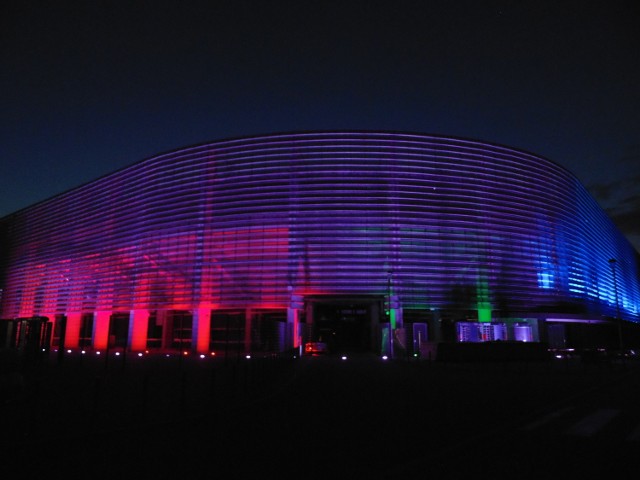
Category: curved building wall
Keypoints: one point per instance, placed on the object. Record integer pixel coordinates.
(253, 223)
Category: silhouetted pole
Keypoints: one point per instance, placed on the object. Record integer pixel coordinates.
(613, 262)
(389, 275)
(62, 338)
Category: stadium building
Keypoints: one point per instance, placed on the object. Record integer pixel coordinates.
(380, 242)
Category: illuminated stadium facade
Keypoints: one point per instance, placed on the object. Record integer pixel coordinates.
(260, 244)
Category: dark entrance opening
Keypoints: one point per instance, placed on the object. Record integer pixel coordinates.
(119, 330)
(345, 326)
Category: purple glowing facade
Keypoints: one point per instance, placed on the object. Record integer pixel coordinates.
(260, 243)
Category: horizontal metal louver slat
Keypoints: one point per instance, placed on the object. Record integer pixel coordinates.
(242, 222)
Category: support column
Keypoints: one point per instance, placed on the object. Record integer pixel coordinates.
(11, 325)
(51, 327)
(201, 330)
(435, 327)
(101, 322)
(247, 330)
(395, 312)
(374, 321)
(162, 317)
(72, 333)
(293, 321)
(308, 317)
(138, 329)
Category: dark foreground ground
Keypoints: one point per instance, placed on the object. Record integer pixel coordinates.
(312, 417)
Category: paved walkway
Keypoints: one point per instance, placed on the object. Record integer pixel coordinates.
(164, 417)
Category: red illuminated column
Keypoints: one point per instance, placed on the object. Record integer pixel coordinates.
(72, 332)
(201, 329)
(138, 328)
(101, 329)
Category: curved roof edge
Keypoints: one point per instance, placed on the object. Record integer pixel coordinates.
(293, 133)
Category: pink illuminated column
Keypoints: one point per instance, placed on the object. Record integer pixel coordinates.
(72, 331)
(101, 329)
(201, 329)
(138, 328)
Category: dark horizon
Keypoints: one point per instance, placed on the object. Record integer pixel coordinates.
(91, 88)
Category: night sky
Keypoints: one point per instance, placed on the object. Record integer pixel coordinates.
(91, 86)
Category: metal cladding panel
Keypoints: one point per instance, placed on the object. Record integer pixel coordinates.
(247, 223)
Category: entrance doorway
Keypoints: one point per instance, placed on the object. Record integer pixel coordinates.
(119, 330)
(346, 325)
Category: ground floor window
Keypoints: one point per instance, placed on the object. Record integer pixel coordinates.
(181, 325)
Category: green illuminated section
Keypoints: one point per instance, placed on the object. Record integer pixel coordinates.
(392, 318)
(483, 303)
(484, 313)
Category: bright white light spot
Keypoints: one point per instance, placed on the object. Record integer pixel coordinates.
(68, 351)
(98, 353)
(344, 357)
(83, 352)
(117, 354)
(140, 354)
(384, 357)
(248, 357)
